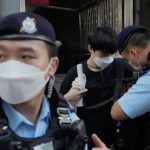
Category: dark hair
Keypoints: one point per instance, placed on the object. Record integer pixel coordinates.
(103, 39)
(139, 39)
(51, 50)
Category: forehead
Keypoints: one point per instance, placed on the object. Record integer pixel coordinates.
(23, 44)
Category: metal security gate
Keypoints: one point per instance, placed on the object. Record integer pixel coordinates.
(88, 19)
(110, 13)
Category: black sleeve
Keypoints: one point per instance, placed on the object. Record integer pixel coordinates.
(123, 69)
(128, 69)
(66, 84)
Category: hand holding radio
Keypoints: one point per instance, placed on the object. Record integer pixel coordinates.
(78, 88)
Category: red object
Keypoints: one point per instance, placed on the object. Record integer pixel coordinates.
(39, 2)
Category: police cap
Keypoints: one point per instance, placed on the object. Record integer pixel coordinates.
(125, 34)
(26, 25)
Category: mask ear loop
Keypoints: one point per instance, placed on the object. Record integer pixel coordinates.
(51, 81)
(129, 58)
(49, 65)
(138, 61)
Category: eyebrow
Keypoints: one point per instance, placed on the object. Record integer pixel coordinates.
(27, 49)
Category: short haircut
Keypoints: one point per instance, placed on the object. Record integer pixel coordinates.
(51, 50)
(139, 39)
(103, 39)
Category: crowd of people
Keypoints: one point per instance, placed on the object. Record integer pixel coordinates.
(110, 89)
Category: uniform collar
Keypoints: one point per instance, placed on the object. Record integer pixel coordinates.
(15, 118)
(146, 69)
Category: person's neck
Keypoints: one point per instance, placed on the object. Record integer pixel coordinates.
(91, 65)
(31, 109)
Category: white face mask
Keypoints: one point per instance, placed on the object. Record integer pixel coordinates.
(117, 55)
(137, 68)
(103, 62)
(20, 82)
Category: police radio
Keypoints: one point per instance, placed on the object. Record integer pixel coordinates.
(82, 79)
(75, 129)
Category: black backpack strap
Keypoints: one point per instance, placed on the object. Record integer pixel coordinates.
(105, 92)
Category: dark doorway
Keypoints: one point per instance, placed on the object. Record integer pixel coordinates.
(66, 24)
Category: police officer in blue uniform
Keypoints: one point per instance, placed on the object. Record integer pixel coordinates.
(29, 105)
(134, 45)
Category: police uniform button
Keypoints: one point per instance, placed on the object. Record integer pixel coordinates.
(4, 130)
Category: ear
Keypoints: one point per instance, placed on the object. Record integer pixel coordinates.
(133, 51)
(54, 66)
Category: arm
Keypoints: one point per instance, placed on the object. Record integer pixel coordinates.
(135, 102)
(117, 113)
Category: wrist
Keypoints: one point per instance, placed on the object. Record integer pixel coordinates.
(66, 96)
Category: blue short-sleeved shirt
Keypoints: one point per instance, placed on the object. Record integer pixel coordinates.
(136, 101)
(25, 128)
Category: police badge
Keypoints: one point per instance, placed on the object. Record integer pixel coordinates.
(28, 25)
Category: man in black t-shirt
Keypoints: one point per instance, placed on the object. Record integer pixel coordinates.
(101, 71)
